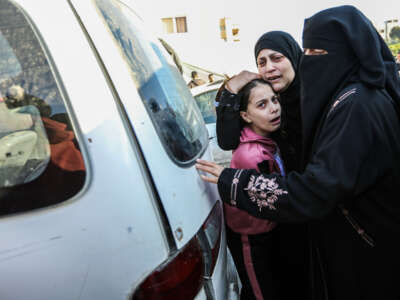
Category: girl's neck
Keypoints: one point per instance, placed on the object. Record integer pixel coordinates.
(259, 131)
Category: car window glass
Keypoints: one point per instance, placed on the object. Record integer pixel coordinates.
(40, 160)
(205, 101)
(10, 66)
(161, 87)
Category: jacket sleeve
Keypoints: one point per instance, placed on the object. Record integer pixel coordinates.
(248, 156)
(336, 172)
(228, 121)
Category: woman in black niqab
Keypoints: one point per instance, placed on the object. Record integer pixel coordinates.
(348, 190)
(355, 53)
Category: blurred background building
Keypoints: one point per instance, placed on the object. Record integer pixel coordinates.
(219, 35)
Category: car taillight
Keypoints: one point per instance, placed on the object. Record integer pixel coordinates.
(210, 234)
(180, 278)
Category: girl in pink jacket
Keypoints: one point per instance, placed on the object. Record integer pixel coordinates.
(251, 240)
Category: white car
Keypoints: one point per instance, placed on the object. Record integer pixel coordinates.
(99, 135)
(205, 99)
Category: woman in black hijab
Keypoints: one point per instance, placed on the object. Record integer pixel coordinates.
(349, 188)
(283, 62)
(277, 56)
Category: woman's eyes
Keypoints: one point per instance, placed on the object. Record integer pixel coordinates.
(262, 104)
(277, 58)
(308, 51)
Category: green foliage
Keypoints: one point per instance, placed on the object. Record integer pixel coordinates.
(395, 33)
(394, 48)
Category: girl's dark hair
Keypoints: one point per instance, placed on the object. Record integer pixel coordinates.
(245, 91)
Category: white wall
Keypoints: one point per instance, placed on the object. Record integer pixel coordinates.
(202, 44)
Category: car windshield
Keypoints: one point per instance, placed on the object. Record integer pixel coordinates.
(163, 91)
(205, 101)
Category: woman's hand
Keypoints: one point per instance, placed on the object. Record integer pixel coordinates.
(210, 168)
(235, 84)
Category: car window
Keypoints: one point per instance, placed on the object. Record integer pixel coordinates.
(40, 160)
(161, 87)
(205, 101)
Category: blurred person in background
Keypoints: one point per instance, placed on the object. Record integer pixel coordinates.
(196, 80)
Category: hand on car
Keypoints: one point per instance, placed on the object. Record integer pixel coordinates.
(210, 168)
(235, 84)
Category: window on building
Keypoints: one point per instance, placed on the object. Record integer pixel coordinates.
(228, 31)
(222, 28)
(168, 25)
(181, 24)
(174, 25)
(235, 33)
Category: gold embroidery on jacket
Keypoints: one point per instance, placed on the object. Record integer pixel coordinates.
(264, 191)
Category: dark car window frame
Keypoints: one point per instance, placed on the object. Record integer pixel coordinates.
(59, 181)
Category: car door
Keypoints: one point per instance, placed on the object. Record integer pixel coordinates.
(160, 108)
(85, 225)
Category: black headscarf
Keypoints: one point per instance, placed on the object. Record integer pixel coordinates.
(284, 43)
(356, 53)
(289, 135)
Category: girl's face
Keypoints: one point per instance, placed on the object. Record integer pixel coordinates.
(263, 113)
(275, 68)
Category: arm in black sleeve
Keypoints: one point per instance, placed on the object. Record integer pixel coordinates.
(228, 121)
(336, 172)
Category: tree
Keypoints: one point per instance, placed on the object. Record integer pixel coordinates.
(395, 33)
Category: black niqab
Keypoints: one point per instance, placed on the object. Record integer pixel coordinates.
(356, 53)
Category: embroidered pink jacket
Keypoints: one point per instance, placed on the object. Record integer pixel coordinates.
(252, 150)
